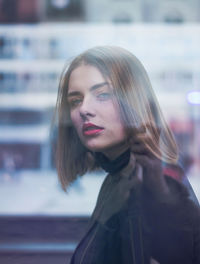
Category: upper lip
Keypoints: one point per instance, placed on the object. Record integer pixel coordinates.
(87, 125)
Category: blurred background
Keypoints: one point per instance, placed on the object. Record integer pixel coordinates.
(37, 38)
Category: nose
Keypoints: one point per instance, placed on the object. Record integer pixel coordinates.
(86, 110)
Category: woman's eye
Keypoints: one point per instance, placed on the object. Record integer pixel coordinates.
(104, 96)
(74, 102)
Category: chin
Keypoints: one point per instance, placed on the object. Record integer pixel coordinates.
(96, 147)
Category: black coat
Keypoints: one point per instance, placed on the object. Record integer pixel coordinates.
(165, 231)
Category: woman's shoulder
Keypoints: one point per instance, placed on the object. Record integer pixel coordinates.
(176, 187)
(179, 204)
(184, 205)
(178, 183)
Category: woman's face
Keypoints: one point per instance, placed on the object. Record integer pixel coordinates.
(94, 112)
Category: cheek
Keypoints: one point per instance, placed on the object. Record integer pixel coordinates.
(113, 116)
(116, 123)
(75, 120)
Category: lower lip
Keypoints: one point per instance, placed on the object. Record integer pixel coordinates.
(92, 132)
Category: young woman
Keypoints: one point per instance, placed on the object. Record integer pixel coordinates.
(108, 117)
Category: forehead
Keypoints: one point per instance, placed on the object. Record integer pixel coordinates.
(84, 76)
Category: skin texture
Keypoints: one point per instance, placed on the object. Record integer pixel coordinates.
(91, 101)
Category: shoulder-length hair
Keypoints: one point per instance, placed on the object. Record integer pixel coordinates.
(138, 107)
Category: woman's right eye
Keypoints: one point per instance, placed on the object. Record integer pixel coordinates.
(74, 102)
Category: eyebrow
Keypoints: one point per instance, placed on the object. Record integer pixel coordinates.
(94, 87)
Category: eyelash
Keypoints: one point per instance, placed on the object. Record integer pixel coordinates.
(101, 96)
(74, 102)
(104, 96)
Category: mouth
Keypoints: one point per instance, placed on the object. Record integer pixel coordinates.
(90, 129)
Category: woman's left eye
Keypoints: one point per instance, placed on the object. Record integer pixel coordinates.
(104, 96)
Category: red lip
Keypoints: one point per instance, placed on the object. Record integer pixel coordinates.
(90, 129)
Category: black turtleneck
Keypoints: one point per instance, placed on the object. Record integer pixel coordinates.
(112, 166)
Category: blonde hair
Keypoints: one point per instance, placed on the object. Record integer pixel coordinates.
(137, 103)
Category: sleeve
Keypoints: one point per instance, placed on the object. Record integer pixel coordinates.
(176, 226)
